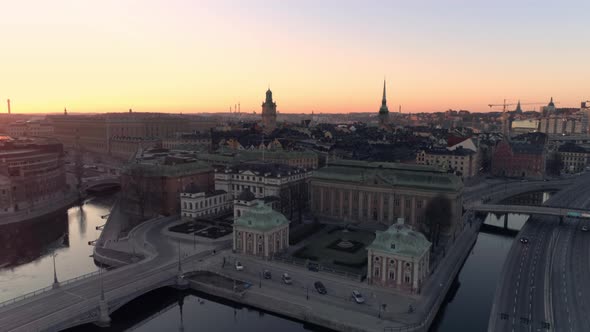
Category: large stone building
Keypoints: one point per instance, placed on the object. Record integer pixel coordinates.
(29, 129)
(305, 159)
(289, 185)
(31, 173)
(573, 157)
(350, 191)
(153, 186)
(269, 113)
(463, 162)
(515, 159)
(94, 133)
(399, 257)
(261, 231)
(204, 204)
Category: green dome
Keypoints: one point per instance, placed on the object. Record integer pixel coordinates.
(261, 217)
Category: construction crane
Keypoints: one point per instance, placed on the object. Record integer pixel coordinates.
(504, 105)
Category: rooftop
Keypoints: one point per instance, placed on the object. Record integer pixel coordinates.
(400, 240)
(261, 217)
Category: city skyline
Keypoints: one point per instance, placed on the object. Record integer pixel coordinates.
(330, 58)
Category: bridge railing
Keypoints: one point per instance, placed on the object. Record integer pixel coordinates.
(46, 289)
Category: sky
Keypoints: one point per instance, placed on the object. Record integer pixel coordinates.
(326, 56)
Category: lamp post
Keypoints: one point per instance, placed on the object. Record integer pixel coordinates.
(55, 282)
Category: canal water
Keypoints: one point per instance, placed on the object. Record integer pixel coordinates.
(28, 265)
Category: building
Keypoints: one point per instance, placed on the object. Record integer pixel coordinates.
(204, 204)
(289, 185)
(398, 258)
(269, 113)
(305, 159)
(462, 162)
(261, 231)
(188, 141)
(383, 110)
(524, 126)
(31, 173)
(29, 129)
(574, 158)
(350, 191)
(124, 148)
(515, 159)
(153, 185)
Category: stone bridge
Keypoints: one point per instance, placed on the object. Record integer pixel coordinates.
(103, 180)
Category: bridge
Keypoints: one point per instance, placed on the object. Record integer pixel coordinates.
(496, 192)
(100, 181)
(91, 298)
(527, 209)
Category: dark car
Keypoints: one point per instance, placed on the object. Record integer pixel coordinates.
(524, 240)
(267, 274)
(315, 267)
(320, 287)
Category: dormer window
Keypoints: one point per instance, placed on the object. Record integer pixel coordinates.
(392, 246)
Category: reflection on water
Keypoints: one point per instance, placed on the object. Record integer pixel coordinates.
(168, 309)
(25, 248)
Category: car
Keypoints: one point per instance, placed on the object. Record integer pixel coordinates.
(584, 228)
(315, 267)
(239, 266)
(287, 279)
(358, 297)
(319, 286)
(524, 240)
(267, 274)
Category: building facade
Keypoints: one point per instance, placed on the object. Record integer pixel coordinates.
(514, 159)
(573, 157)
(261, 231)
(31, 173)
(204, 204)
(366, 192)
(462, 162)
(29, 129)
(399, 258)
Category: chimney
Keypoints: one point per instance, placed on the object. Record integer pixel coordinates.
(8, 102)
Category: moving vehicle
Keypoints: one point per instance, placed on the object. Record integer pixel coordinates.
(267, 274)
(315, 267)
(524, 240)
(239, 266)
(358, 297)
(287, 279)
(584, 228)
(320, 288)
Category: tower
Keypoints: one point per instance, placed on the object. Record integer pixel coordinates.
(383, 110)
(8, 102)
(518, 109)
(269, 112)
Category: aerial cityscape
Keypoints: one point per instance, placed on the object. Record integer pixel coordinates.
(334, 166)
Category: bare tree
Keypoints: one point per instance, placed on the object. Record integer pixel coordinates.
(138, 187)
(437, 216)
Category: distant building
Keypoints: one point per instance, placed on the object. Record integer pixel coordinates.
(383, 110)
(30, 129)
(32, 173)
(462, 162)
(518, 160)
(399, 258)
(269, 113)
(574, 157)
(350, 191)
(261, 231)
(187, 141)
(125, 148)
(524, 126)
(225, 157)
(204, 204)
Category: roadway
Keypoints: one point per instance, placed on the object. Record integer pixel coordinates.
(543, 286)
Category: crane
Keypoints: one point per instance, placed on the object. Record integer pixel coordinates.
(513, 104)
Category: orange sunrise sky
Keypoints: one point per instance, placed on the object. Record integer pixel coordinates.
(325, 56)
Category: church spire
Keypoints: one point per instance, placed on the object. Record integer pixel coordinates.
(518, 108)
(384, 100)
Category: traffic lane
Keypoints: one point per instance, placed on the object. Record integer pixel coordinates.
(339, 288)
(578, 279)
(561, 298)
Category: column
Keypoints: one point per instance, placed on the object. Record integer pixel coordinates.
(402, 207)
(391, 217)
(360, 204)
(415, 276)
(350, 205)
(413, 211)
(370, 266)
(399, 276)
(341, 204)
(332, 201)
(369, 203)
(381, 207)
(321, 200)
(384, 260)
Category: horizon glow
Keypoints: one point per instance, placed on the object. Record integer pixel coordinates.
(327, 57)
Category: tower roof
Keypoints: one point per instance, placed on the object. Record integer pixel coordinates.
(383, 109)
(551, 104)
(518, 108)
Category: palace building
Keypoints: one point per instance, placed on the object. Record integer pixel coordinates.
(349, 191)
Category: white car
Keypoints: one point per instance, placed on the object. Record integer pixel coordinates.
(239, 266)
(287, 279)
(584, 228)
(358, 297)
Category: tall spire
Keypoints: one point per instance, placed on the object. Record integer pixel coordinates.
(518, 108)
(384, 101)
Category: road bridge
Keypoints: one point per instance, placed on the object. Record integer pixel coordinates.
(100, 181)
(527, 209)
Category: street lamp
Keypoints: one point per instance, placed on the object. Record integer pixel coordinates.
(55, 282)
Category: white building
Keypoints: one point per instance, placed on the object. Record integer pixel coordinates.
(201, 205)
(399, 258)
(261, 232)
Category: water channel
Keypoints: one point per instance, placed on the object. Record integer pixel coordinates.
(26, 264)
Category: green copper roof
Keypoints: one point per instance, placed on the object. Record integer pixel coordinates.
(389, 174)
(261, 217)
(400, 240)
(158, 170)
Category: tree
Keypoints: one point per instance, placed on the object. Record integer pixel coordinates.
(138, 187)
(437, 217)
